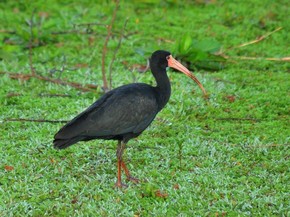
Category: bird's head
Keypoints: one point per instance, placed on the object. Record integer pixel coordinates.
(163, 59)
(159, 58)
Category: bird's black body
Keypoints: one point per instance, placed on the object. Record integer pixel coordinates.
(122, 113)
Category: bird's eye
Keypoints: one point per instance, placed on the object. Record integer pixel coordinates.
(168, 57)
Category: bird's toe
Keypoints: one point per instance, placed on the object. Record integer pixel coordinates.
(120, 185)
(133, 179)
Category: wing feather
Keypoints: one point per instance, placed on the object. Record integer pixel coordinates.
(129, 109)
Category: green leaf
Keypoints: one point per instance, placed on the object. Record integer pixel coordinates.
(184, 45)
(200, 53)
(207, 45)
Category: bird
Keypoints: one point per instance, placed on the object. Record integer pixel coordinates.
(124, 112)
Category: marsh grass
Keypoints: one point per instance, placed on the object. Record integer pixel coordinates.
(228, 156)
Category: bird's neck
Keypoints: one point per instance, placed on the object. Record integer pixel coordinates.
(163, 88)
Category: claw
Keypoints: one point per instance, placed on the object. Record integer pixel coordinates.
(127, 173)
(120, 185)
(133, 179)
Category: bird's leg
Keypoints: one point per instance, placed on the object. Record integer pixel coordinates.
(120, 150)
(119, 183)
(129, 177)
(121, 164)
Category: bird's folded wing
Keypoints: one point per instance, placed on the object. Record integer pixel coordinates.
(113, 114)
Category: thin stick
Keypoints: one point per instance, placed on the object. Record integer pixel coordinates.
(283, 59)
(69, 32)
(90, 24)
(33, 120)
(91, 33)
(53, 95)
(253, 41)
(116, 50)
(109, 33)
(7, 31)
(30, 43)
(238, 119)
(84, 88)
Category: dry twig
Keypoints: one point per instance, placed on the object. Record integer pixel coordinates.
(104, 53)
(30, 23)
(253, 41)
(238, 119)
(21, 76)
(7, 31)
(115, 52)
(33, 120)
(282, 59)
(82, 32)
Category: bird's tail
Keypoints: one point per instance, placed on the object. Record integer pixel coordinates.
(64, 143)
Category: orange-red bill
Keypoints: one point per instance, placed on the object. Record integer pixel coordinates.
(173, 63)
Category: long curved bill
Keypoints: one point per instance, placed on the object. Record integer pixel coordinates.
(173, 63)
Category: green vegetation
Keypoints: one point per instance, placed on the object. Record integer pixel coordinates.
(228, 156)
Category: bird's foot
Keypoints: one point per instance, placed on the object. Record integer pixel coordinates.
(120, 185)
(133, 179)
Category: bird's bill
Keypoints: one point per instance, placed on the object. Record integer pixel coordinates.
(173, 63)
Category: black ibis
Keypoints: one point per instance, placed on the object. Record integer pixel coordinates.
(125, 112)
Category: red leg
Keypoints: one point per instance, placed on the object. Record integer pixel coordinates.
(119, 183)
(120, 149)
(129, 177)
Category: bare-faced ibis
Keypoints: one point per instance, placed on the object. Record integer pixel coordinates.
(125, 112)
